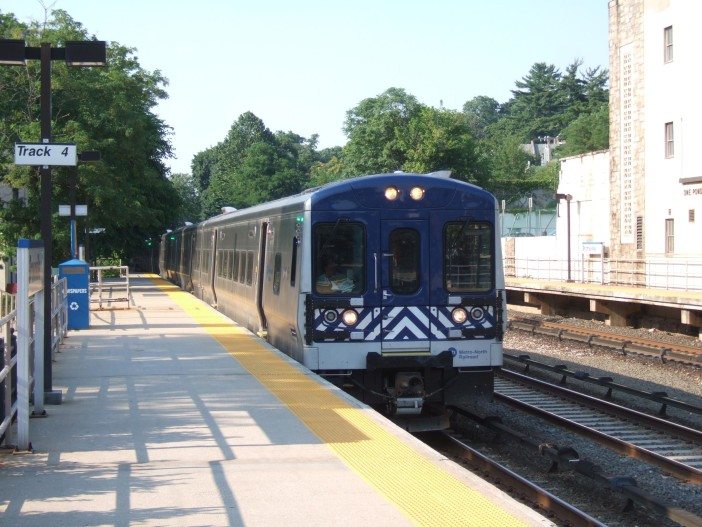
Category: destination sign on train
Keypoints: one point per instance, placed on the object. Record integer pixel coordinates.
(49, 154)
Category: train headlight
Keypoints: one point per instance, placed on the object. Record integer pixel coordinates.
(330, 316)
(459, 315)
(350, 317)
(477, 313)
(391, 193)
(416, 193)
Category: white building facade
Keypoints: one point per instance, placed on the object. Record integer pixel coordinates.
(655, 127)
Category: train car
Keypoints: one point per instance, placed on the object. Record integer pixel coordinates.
(390, 285)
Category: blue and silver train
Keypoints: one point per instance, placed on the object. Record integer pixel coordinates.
(390, 286)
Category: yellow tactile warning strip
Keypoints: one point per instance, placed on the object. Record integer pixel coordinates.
(424, 492)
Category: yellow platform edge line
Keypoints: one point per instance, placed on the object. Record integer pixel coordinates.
(425, 493)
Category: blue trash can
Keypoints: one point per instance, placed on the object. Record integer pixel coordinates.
(77, 275)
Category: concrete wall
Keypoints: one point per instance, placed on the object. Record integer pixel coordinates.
(586, 179)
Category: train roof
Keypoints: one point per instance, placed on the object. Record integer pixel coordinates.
(368, 192)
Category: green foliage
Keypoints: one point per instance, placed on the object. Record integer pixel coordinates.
(376, 130)
(481, 112)
(253, 165)
(587, 133)
(189, 196)
(105, 109)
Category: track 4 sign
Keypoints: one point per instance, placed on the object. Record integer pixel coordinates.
(45, 154)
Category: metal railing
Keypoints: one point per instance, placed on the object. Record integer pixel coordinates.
(8, 351)
(17, 384)
(677, 274)
(109, 284)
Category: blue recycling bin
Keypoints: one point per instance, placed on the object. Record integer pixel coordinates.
(77, 275)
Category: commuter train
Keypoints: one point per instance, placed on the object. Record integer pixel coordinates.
(389, 286)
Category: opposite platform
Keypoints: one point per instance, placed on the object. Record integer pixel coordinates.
(174, 415)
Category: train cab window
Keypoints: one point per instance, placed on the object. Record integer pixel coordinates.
(468, 257)
(404, 263)
(339, 258)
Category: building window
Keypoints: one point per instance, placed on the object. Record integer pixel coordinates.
(691, 215)
(668, 44)
(639, 233)
(669, 236)
(669, 140)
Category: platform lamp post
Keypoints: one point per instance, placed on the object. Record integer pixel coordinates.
(75, 53)
(567, 198)
(89, 156)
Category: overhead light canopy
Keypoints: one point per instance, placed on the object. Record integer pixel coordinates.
(86, 53)
(12, 52)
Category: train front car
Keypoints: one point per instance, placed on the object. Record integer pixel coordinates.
(407, 301)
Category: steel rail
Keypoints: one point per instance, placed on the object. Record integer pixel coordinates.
(449, 443)
(652, 348)
(677, 469)
(570, 459)
(607, 382)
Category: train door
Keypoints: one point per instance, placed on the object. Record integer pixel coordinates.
(261, 275)
(212, 266)
(405, 276)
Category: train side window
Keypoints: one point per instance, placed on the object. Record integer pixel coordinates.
(249, 267)
(277, 264)
(235, 267)
(220, 263)
(468, 257)
(339, 258)
(293, 262)
(242, 266)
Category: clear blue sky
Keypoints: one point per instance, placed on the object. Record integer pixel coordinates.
(301, 65)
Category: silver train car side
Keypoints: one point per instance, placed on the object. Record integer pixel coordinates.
(390, 286)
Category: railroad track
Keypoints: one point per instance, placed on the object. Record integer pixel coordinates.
(624, 344)
(455, 446)
(674, 448)
(568, 459)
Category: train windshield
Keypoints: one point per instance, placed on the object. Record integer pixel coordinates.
(339, 262)
(468, 257)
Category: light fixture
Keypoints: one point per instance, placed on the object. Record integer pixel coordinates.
(350, 317)
(459, 315)
(477, 313)
(12, 52)
(86, 53)
(330, 316)
(416, 193)
(391, 193)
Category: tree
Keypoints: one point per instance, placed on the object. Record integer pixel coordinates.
(537, 106)
(510, 167)
(481, 111)
(189, 197)
(375, 128)
(587, 133)
(253, 165)
(441, 139)
(105, 109)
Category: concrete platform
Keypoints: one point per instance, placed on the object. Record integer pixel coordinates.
(618, 303)
(173, 415)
